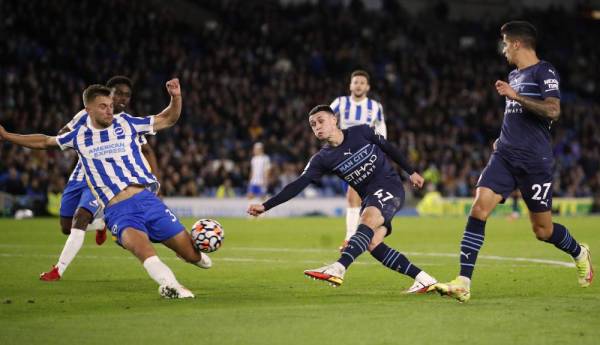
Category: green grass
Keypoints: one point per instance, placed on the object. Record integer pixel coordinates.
(256, 293)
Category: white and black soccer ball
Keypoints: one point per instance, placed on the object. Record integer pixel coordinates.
(207, 235)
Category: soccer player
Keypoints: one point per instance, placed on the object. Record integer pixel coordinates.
(109, 147)
(522, 159)
(357, 109)
(79, 209)
(259, 172)
(358, 156)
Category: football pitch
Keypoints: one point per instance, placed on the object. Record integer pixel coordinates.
(524, 291)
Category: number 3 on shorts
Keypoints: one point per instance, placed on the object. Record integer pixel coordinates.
(173, 218)
(538, 189)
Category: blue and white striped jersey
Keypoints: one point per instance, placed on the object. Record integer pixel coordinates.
(80, 118)
(112, 157)
(365, 112)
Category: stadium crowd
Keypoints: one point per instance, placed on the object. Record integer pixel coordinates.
(253, 73)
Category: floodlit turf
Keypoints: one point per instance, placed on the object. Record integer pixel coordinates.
(256, 292)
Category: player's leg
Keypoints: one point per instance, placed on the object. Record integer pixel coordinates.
(128, 221)
(470, 245)
(495, 184)
(396, 261)
(82, 220)
(371, 218)
(138, 243)
(66, 224)
(181, 244)
(378, 207)
(352, 215)
(558, 235)
(68, 205)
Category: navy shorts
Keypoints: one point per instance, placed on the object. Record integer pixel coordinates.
(77, 194)
(145, 212)
(388, 199)
(533, 179)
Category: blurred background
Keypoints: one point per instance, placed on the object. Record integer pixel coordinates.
(251, 70)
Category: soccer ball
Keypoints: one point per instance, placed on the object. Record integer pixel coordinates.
(207, 235)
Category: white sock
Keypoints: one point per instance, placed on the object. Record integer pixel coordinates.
(70, 250)
(160, 272)
(425, 278)
(582, 253)
(352, 218)
(465, 280)
(97, 224)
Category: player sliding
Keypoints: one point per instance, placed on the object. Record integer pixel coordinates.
(522, 159)
(79, 209)
(358, 156)
(109, 148)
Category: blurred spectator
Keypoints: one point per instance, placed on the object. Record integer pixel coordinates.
(251, 76)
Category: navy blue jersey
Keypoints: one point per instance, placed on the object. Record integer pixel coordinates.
(360, 160)
(525, 135)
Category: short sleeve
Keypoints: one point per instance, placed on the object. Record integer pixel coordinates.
(67, 140)
(549, 81)
(142, 125)
(335, 105)
(78, 119)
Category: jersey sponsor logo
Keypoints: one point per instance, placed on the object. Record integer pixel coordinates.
(551, 84)
(109, 149)
(355, 159)
(361, 173)
(513, 107)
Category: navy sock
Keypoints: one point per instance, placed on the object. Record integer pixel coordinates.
(357, 244)
(394, 260)
(470, 245)
(562, 239)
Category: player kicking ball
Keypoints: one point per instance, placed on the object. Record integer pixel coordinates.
(522, 159)
(358, 156)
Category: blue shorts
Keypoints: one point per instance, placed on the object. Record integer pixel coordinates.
(533, 179)
(77, 194)
(388, 199)
(145, 212)
(256, 190)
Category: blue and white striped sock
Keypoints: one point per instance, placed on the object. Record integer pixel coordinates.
(470, 245)
(562, 239)
(394, 260)
(358, 244)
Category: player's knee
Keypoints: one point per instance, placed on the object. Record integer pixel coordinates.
(65, 226)
(480, 212)
(374, 243)
(82, 219)
(372, 220)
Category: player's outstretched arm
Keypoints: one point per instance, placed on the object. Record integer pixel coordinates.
(548, 107)
(169, 116)
(288, 192)
(32, 141)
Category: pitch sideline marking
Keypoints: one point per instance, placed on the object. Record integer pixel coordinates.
(312, 250)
